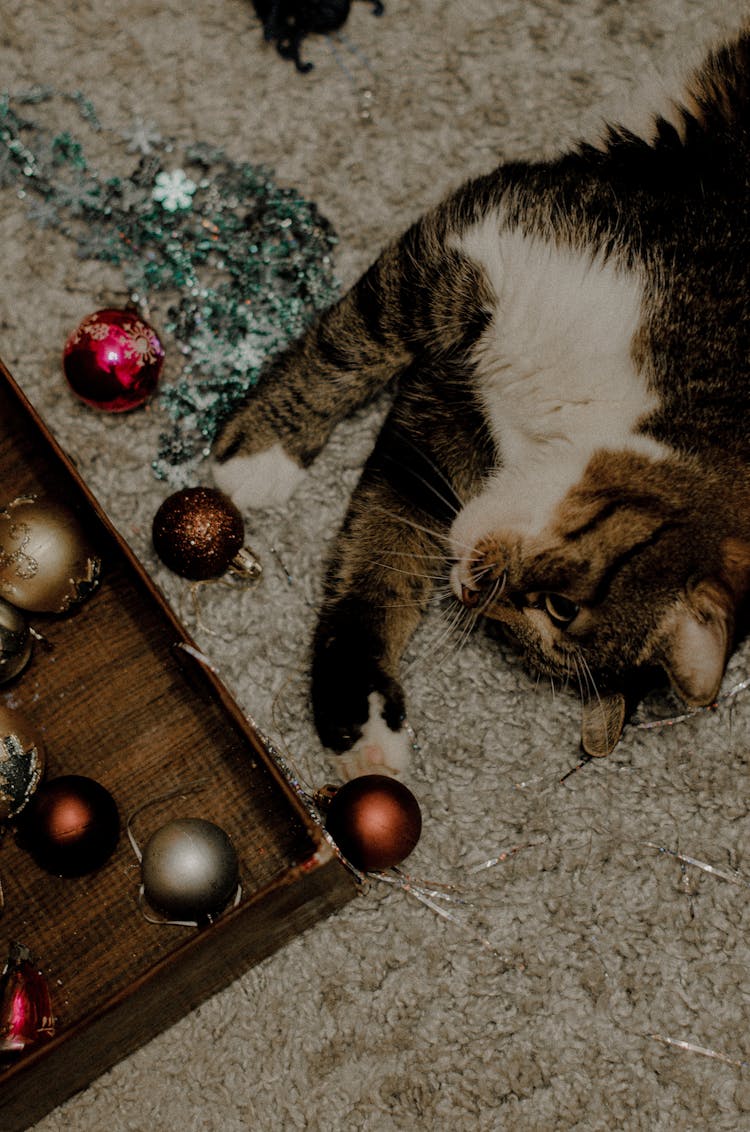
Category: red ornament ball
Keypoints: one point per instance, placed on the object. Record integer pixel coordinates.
(113, 360)
(197, 532)
(26, 1015)
(71, 826)
(375, 821)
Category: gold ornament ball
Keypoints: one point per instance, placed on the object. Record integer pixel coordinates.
(22, 762)
(46, 562)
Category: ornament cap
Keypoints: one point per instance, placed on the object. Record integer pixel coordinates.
(246, 565)
(324, 795)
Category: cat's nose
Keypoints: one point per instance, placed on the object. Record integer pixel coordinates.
(485, 591)
(469, 596)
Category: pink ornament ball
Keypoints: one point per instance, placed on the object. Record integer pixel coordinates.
(112, 361)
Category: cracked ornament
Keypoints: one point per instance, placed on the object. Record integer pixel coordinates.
(22, 762)
(15, 642)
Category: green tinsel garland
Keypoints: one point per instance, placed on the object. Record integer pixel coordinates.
(245, 263)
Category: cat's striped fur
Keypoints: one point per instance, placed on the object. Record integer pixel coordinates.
(569, 344)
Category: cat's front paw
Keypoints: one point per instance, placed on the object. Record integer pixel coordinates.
(359, 713)
(379, 749)
(262, 479)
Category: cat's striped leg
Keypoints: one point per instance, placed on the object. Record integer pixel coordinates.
(420, 298)
(342, 361)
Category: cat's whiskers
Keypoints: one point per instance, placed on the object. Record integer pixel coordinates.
(462, 632)
(458, 621)
(565, 678)
(407, 554)
(438, 535)
(437, 598)
(590, 681)
(436, 649)
(453, 507)
(436, 469)
(579, 678)
(408, 573)
(495, 590)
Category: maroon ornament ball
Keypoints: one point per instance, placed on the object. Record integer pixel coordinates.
(113, 360)
(375, 821)
(71, 826)
(197, 532)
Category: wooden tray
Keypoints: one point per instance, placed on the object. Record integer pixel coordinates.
(116, 698)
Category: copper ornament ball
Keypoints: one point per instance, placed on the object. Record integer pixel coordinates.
(47, 564)
(71, 826)
(375, 821)
(189, 869)
(22, 762)
(112, 360)
(197, 532)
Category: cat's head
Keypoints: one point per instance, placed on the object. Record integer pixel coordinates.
(640, 564)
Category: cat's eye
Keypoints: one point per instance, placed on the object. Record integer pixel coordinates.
(560, 610)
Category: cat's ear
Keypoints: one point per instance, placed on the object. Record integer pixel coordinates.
(696, 634)
(602, 721)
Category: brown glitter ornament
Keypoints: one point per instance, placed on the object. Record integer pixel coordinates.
(375, 821)
(46, 562)
(199, 533)
(22, 762)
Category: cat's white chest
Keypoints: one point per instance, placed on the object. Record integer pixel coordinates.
(555, 368)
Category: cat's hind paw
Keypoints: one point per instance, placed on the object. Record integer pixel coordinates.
(264, 479)
(378, 750)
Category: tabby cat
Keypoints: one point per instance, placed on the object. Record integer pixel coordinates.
(568, 343)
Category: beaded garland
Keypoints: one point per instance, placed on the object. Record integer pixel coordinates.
(244, 263)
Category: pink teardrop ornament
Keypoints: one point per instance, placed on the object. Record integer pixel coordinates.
(26, 1016)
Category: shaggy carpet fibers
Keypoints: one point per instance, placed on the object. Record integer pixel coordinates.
(591, 981)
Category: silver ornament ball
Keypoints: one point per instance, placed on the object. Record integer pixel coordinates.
(189, 869)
